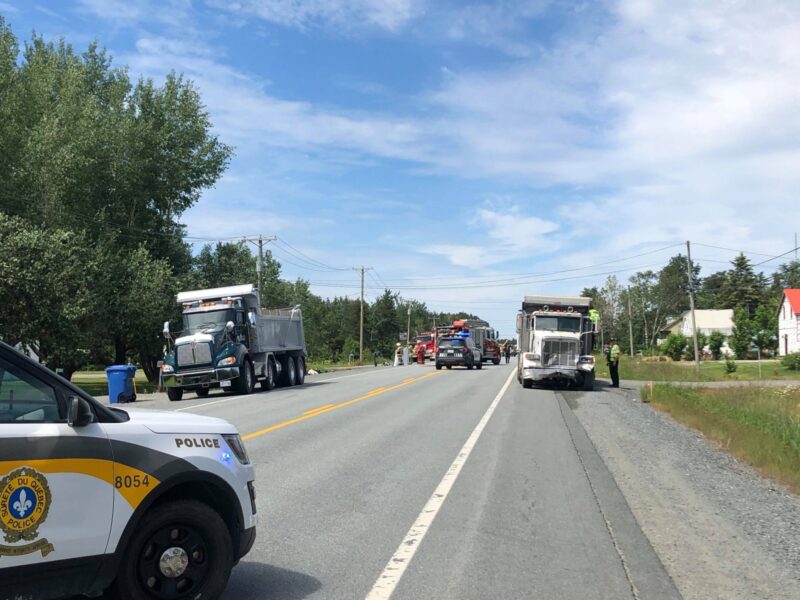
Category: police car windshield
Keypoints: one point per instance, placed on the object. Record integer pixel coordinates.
(206, 322)
(451, 342)
(569, 324)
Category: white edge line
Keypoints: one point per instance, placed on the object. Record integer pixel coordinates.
(393, 571)
(193, 406)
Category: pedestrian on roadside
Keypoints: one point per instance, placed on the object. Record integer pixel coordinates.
(375, 355)
(613, 362)
(507, 352)
(420, 354)
(397, 354)
(405, 356)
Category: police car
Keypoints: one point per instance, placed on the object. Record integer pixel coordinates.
(146, 504)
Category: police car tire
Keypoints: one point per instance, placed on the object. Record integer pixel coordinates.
(182, 513)
(174, 394)
(527, 383)
(202, 392)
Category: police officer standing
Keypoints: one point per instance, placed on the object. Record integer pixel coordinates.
(613, 362)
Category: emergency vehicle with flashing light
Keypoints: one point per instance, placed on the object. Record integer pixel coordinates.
(145, 504)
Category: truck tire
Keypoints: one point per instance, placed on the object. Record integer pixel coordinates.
(196, 533)
(289, 372)
(479, 365)
(496, 361)
(269, 379)
(588, 382)
(438, 366)
(300, 376)
(175, 394)
(527, 383)
(449, 367)
(246, 380)
(202, 392)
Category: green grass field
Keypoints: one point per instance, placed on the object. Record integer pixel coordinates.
(635, 368)
(761, 426)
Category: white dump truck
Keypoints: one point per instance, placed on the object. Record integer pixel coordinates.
(555, 337)
(229, 341)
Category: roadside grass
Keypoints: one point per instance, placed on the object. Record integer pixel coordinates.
(637, 369)
(95, 383)
(760, 426)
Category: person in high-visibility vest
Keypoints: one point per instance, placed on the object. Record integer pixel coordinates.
(613, 362)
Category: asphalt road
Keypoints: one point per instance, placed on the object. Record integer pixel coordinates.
(351, 495)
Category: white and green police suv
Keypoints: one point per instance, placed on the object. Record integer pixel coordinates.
(146, 504)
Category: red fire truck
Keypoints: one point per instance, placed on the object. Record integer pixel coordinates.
(427, 340)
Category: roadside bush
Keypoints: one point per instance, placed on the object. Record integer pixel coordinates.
(791, 361)
(716, 340)
(674, 346)
(730, 365)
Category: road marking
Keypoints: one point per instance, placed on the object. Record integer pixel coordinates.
(193, 406)
(323, 410)
(313, 410)
(397, 565)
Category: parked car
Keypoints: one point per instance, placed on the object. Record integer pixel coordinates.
(458, 351)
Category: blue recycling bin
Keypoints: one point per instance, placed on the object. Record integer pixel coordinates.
(120, 383)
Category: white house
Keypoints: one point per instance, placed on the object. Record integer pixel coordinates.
(789, 323)
(707, 321)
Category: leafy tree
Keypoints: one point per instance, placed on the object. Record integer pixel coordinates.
(765, 329)
(223, 265)
(716, 340)
(709, 294)
(383, 323)
(675, 345)
(786, 277)
(742, 335)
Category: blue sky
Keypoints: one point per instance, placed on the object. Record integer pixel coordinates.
(450, 145)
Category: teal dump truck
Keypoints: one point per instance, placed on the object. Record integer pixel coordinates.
(229, 341)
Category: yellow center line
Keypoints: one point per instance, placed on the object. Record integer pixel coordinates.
(324, 409)
(319, 408)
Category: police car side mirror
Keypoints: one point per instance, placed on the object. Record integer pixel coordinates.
(79, 413)
(229, 326)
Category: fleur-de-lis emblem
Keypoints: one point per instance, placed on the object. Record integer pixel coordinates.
(22, 505)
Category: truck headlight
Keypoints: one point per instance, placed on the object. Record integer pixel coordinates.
(227, 361)
(167, 369)
(237, 447)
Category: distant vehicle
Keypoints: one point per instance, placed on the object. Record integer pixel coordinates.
(555, 339)
(458, 350)
(229, 341)
(145, 504)
(484, 336)
(426, 340)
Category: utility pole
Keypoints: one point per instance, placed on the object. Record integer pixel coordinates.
(259, 241)
(361, 326)
(691, 303)
(630, 320)
(408, 327)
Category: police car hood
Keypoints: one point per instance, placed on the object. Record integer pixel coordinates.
(159, 421)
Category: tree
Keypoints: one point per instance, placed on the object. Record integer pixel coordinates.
(45, 291)
(742, 334)
(742, 286)
(224, 265)
(786, 277)
(765, 329)
(709, 294)
(675, 345)
(716, 340)
(383, 323)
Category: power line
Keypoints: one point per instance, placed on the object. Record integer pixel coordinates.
(308, 258)
(779, 256)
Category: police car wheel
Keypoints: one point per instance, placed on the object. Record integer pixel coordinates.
(202, 392)
(182, 550)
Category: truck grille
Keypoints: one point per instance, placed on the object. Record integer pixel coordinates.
(559, 353)
(194, 354)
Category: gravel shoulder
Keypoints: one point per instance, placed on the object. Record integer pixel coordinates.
(720, 529)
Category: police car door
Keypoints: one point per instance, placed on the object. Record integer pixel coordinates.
(56, 492)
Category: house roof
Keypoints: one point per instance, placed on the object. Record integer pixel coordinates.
(794, 300)
(713, 319)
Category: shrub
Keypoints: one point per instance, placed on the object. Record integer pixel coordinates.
(791, 361)
(730, 365)
(716, 340)
(674, 345)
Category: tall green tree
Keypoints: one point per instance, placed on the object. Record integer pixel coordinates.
(742, 335)
(743, 287)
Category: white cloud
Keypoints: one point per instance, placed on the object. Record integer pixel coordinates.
(344, 15)
(132, 12)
